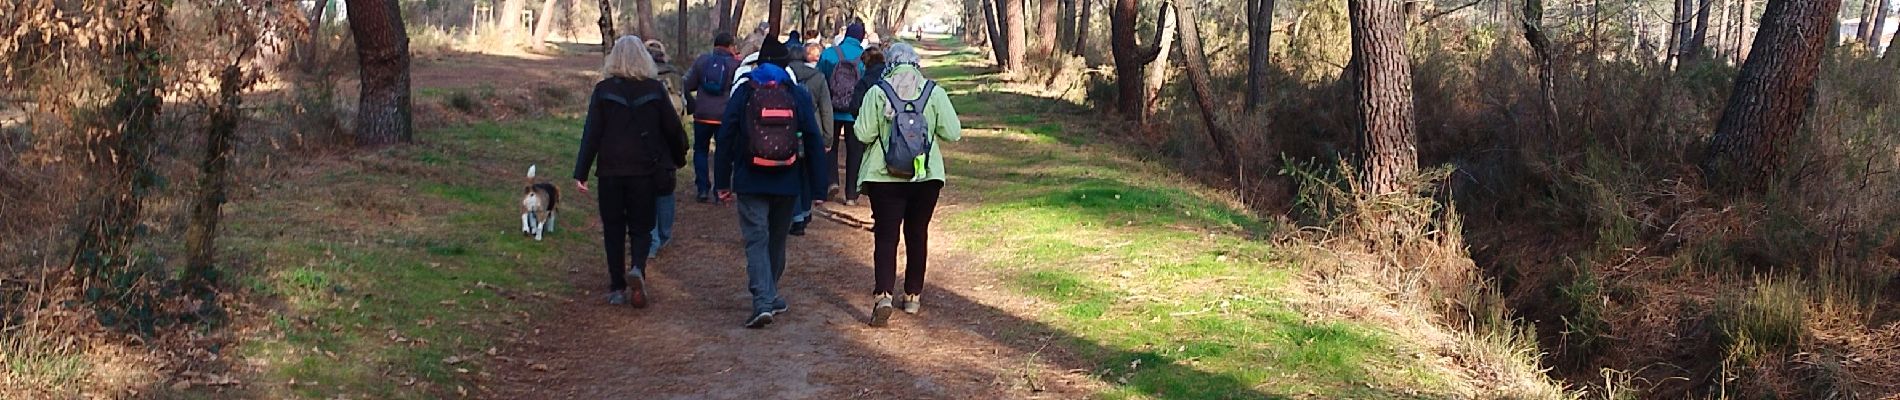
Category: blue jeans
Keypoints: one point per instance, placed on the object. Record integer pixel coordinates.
(662, 223)
(702, 157)
(765, 221)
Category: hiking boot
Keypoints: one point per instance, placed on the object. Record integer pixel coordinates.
(759, 320)
(913, 303)
(881, 311)
(781, 309)
(617, 297)
(637, 288)
(798, 228)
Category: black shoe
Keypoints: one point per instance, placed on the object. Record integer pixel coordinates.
(759, 320)
(798, 228)
(781, 310)
(705, 198)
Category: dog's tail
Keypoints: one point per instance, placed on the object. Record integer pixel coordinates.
(530, 172)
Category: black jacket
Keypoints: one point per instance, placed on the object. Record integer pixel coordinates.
(873, 74)
(632, 129)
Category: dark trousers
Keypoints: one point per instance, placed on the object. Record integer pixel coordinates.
(906, 208)
(626, 214)
(853, 150)
(702, 157)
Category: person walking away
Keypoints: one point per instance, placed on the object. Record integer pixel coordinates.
(769, 125)
(707, 83)
(902, 122)
(633, 142)
(843, 68)
(813, 81)
(664, 205)
(874, 67)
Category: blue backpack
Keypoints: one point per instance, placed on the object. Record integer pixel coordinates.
(907, 150)
(717, 78)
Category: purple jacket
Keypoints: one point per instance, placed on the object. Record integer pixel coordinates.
(708, 106)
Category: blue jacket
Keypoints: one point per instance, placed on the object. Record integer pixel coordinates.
(853, 50)
(731, 145)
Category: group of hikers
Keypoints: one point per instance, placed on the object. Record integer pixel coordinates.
(770, 120)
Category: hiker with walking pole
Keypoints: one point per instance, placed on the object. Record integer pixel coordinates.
(902, 121)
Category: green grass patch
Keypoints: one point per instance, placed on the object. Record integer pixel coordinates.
(366, 308)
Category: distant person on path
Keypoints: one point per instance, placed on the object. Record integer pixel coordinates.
(709, 79)
(848, 55)
(874, 67)
(770, 126)
(813, 80)
(902, 121)
(670, 76)
(638, 141)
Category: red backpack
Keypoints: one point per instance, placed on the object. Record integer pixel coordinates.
(772, 126)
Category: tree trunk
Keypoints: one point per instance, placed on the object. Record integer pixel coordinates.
(1065, 26)
(1131, 60)
(1382, 76)
(1546, 76)
(607, 33)
(644, 12)
(119, 146)
(999, 47)
(903, 15)
(775, 10)
(1742, 40)
(1865, 32)
(1158, 69)
(1082, 27)
(1197, 79)
(510, 20)
(1013, 33)
(544, 22)
(1046, 34)
(382, 53)
(1698, 37)
(313, 47)
(683, 52)
(1679, 31)
(1259, 51)
(1772, 94)
(1880, 28)
(721, 12)
(738, 17)
(201, 235)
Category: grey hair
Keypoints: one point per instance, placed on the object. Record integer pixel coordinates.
(901, 53)
(630, 59)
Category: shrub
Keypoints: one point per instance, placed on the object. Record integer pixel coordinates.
(1770, 316)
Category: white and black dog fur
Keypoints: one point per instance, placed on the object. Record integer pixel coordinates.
(537, 206)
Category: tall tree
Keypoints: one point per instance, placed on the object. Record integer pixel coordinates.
(1131, 60)
(607, 33)
(1865, 32)
(903, 15)
(1772, 93)
(1198, 80)
(999, 47)
(312, 44)
(382, 54)
(1082, 24)
(643, 12)
(510, 21)
(544, 22)
(721, 11)
(684, 46)
(1679, 30)
(1065, 27)
(1012, 11)
(737, 17)
(1259, 46)
(773, 13)
(1879, 26)
(1692, 50)
(1382, 76)
(1158, 69)
(1046, 36)
(1546, 74)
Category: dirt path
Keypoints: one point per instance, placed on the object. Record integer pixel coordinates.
(969, 342)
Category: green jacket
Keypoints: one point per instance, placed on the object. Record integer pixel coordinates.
(874, 123)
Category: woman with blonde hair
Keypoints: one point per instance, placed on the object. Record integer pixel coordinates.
(637, 139)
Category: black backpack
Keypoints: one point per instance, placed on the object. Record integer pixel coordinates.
(844, 77)
(907, 150)
(772, 125)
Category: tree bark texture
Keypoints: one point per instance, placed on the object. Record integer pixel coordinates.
(999, 46)
(737, 18)
(1772, 93)
(201, 235)
(1259, 51)
(1678, 31)
(544, 22)
(1082, 27)
(382, 50)
(1065, 26)
(721, 11)
(1131, 60)
(1865, 32)
(1158, 68)
(1546, 76)
(773, 14)
(1383, 78)
(1013, 33)
(1046, 33)
(1698, 37)
(643, 11)
(607, 33)
(1197, 73)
